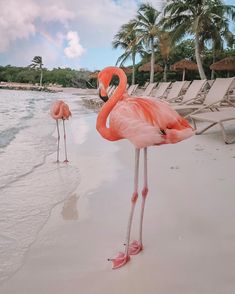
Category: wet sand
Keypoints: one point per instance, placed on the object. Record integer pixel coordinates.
(189, 221)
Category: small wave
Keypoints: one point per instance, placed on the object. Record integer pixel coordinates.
(8, 135)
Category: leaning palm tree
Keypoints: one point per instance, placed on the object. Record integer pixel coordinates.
(37, 63)
(193, 17)
(217, 33)
(127, 39)
(148, 30)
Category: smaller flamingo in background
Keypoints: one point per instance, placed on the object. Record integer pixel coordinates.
(60, 110)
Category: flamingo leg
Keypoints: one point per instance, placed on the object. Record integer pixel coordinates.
(137, 246)
(58, 140)
(123, 258)
(65, 147)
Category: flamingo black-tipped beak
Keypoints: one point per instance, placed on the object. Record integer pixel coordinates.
(104, 98)
(102, 92)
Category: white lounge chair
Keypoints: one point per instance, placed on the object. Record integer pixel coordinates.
(147, 91)
(176, 90)
(185, 87)
(132, 88)
(160, 90)
(215, 118)
(145, 85)
(216, 94)
(193, 92)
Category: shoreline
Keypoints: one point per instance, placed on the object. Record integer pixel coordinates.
(51, 89)
(27, 87)
(188, 225)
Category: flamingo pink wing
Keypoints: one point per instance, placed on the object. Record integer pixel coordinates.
(147, 122)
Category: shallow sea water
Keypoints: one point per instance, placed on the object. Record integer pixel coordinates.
(31, 183)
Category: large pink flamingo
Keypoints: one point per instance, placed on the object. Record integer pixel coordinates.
(60, 110)
(144, 122)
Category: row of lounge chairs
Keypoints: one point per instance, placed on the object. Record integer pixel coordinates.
(199, 100)
(203, 101)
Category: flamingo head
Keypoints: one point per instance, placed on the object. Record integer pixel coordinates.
(104, 79)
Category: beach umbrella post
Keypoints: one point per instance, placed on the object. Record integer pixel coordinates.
(184, 64)
(225, 64)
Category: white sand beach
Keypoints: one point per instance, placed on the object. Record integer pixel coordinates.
(189, 236)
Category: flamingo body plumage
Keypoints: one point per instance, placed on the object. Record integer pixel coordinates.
(147, 122)
(144, 122)
(60, 110)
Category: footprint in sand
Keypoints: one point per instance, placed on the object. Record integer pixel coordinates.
(199, 149)
(174, 167)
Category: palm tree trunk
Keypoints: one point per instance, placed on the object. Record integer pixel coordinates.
(198, 58)
(212, 71)
(40, 77)
(133, 70)
(152, 62)
(183, 77)
(164, 73)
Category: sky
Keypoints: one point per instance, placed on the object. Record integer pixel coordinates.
(66, 33)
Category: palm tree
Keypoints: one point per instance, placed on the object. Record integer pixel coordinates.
(37, 63)
(194, 17)
(148, 30)
(127, 39)
(217, 33)
(165, 47)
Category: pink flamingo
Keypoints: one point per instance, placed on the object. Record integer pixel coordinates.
(144, 122)
(60, 110)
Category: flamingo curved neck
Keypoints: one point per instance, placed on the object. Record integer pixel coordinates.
(101, 124)
(58, 115)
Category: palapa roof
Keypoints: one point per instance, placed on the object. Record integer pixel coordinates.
(227, 63)
(127, 70)
(147, 67)
(184, 64)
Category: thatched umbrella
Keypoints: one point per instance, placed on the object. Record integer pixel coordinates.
(147, 67)
(127, 70)
(226, 64)
(184, 64)
(94, 75)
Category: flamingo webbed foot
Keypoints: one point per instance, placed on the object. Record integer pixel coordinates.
(66, 161)
(120, 260)
(135, 247)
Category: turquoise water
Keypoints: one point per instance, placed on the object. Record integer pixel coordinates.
(31, 183)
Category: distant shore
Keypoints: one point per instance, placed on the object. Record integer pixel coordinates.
(50, 88)
(26, 86)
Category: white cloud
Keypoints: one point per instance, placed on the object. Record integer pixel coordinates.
(20, 20)
(95, 21)
(45, 26)
(55, 13)
(98, 21)
(74, 48)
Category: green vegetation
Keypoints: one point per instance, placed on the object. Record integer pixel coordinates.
(194, 29)
(65, 77)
